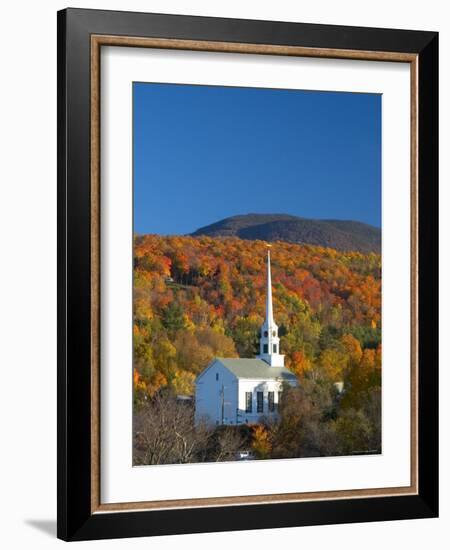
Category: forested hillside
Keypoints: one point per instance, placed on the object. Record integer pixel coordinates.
(201, 297)
(339, 234)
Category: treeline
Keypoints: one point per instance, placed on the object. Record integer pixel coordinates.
(315, 419)
(196, 298)
(318, 419)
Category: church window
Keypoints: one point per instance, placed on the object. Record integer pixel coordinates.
(217, 376)
(248, 401)
(266, 334)
(271, 400)
(259, 401)
(265, 348)
(279, 397)
(274, 348)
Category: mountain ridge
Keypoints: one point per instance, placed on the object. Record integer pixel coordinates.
(343, 235)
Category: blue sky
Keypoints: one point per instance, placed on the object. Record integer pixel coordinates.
(204, 153)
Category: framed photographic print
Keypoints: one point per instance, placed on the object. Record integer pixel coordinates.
(247, 274)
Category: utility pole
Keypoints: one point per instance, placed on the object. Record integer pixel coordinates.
(223, 402)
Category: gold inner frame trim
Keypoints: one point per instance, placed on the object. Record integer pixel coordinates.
(97, 41)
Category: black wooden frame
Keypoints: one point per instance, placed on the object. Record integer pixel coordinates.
(75, 521)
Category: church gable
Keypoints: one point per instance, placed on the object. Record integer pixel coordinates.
(216, 366)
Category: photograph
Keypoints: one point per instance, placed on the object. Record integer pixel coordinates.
(257, 274)
(247, 262)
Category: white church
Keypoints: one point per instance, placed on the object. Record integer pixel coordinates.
(241, 391)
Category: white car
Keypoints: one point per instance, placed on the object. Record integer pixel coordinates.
(245, 455)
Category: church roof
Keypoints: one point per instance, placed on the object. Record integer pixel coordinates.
(256, 369)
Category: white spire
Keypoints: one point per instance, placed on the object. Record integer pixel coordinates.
(270, 343)
(269, 307)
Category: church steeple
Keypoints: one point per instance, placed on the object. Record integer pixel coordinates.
(269, 350)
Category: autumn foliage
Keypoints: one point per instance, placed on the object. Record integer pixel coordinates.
(196, 298)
